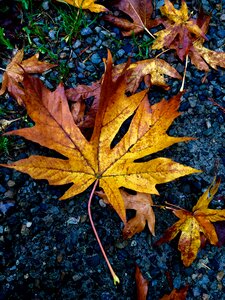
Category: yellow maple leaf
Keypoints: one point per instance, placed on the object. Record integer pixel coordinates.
(88, 161)
(192, 224)
(86, 4)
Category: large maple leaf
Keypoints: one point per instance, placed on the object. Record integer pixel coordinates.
(193, 224)
(180, 30)
(14, 74)
(86, 4)
(96, 159)
(138, 10)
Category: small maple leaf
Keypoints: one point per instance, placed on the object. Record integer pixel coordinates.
(86, 4)
(89, 161)
(180, 30)
(140, 202)
(139, 11)
(141, 284)
(152, 70)
(176, 294)
(14, 74)
(192, 224)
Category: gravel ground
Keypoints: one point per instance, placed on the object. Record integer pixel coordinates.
(47, 247)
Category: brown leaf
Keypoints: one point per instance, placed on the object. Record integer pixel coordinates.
(14, 74)
(141, 284)
(180, 30)
(83, 112)
(139, 11)
(140, 202)
(176, 294)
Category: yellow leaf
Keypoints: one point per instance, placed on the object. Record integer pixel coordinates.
(86, 4)
(96, 159)
(192, 224)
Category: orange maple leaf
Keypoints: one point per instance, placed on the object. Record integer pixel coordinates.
(86, 4)
(192, 224)
(139, 11)
(14, 74)
(96, 159)
(180, 30)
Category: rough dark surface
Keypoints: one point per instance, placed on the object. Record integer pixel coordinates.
(47, 247)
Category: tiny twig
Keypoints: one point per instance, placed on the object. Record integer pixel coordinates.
(114, 276)
(2, 69)
(216, 104)
(175, 206)
(162, 53)
(184, 76)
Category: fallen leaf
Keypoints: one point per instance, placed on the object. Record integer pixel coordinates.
(141, 284)
(200, 56)
(14, 74)
(180, 30)
(84, 114)
(88, 161)
(192, 224)
(140, 202)
(176, 294)
(86, 4)
(152, 70)
(138, 10)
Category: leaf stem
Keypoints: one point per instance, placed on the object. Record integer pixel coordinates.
(184, 76)
(114, 276)
(143, 25)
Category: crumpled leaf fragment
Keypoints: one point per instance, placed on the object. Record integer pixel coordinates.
(176, 294)
(141, 284)
(142, 203)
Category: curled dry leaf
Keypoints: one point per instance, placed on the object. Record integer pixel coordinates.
(14, 74)
(200, 56)
(138, 10)
(193, 224)
(180, 30)
(91, 160)
(86, 4)
(140, 202)
(151, 70)
(141, 284)
(83, 113)
(176, 294)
